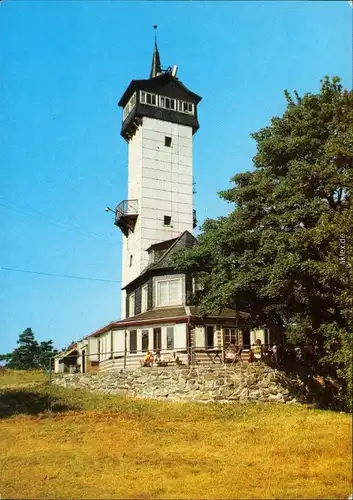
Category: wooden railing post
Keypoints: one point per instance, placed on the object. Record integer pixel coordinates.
(125, 349)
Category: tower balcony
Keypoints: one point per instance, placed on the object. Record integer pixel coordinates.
(126, 214)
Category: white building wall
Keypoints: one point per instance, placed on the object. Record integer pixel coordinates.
(199, 336)
(180, 336)
(160, 178)
(118, 342)
(105, 345)
(58, 367)
(92, 350)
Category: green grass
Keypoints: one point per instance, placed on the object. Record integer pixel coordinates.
(61, 443)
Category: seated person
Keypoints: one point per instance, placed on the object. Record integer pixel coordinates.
(173, 358)
(177, 360)
(230, 353)
(298, 353)
(158, 358)
(257, 350)
(148, 360)
(274, 355)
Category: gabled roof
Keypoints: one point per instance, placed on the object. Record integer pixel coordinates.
(68, 353)
(185, 240)
(161, 244)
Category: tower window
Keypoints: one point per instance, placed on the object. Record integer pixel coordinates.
(129, 106)
(167, 102)
(168, 141)
(167, 220)
(130, 261)
(186, 107)
(147, 98)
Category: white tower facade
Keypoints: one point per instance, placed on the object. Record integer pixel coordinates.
(159, 120)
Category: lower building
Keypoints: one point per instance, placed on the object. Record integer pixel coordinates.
(160, 318)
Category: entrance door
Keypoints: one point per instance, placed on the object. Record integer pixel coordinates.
(246, 338)
(209, 337)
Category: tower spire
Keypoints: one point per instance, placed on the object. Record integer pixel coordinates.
(156, 62)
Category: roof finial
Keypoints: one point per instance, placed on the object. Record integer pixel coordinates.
(156, 63)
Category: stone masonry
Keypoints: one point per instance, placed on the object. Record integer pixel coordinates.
(242, 383)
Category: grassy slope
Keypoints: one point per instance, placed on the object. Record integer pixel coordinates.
(59, 443)
(18, 378)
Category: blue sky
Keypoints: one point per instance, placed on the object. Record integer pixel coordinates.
(64, 65)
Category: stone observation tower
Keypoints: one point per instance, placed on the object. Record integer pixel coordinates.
(158, 123)
(157, 218)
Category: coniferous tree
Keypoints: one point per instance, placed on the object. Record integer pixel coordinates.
(29, 354)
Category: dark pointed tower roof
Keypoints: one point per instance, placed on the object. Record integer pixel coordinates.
(161, 83)
(156, 62)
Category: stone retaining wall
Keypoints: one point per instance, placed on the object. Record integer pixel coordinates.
(244, 383)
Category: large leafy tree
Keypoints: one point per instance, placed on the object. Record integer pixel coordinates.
(29, 354)
(284, 253)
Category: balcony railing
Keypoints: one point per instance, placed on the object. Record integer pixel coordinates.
(126, 207)
(126, 214)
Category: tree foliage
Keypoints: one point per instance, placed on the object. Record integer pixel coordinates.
(29, 354)
(284, 253)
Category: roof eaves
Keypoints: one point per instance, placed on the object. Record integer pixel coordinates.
(104, 329)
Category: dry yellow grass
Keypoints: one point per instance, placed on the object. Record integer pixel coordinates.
(17, 378)
(110, 447)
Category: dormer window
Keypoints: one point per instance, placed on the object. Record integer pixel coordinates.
(151, 257)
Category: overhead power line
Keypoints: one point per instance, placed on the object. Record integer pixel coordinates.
(57, 275)
(47, 219)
